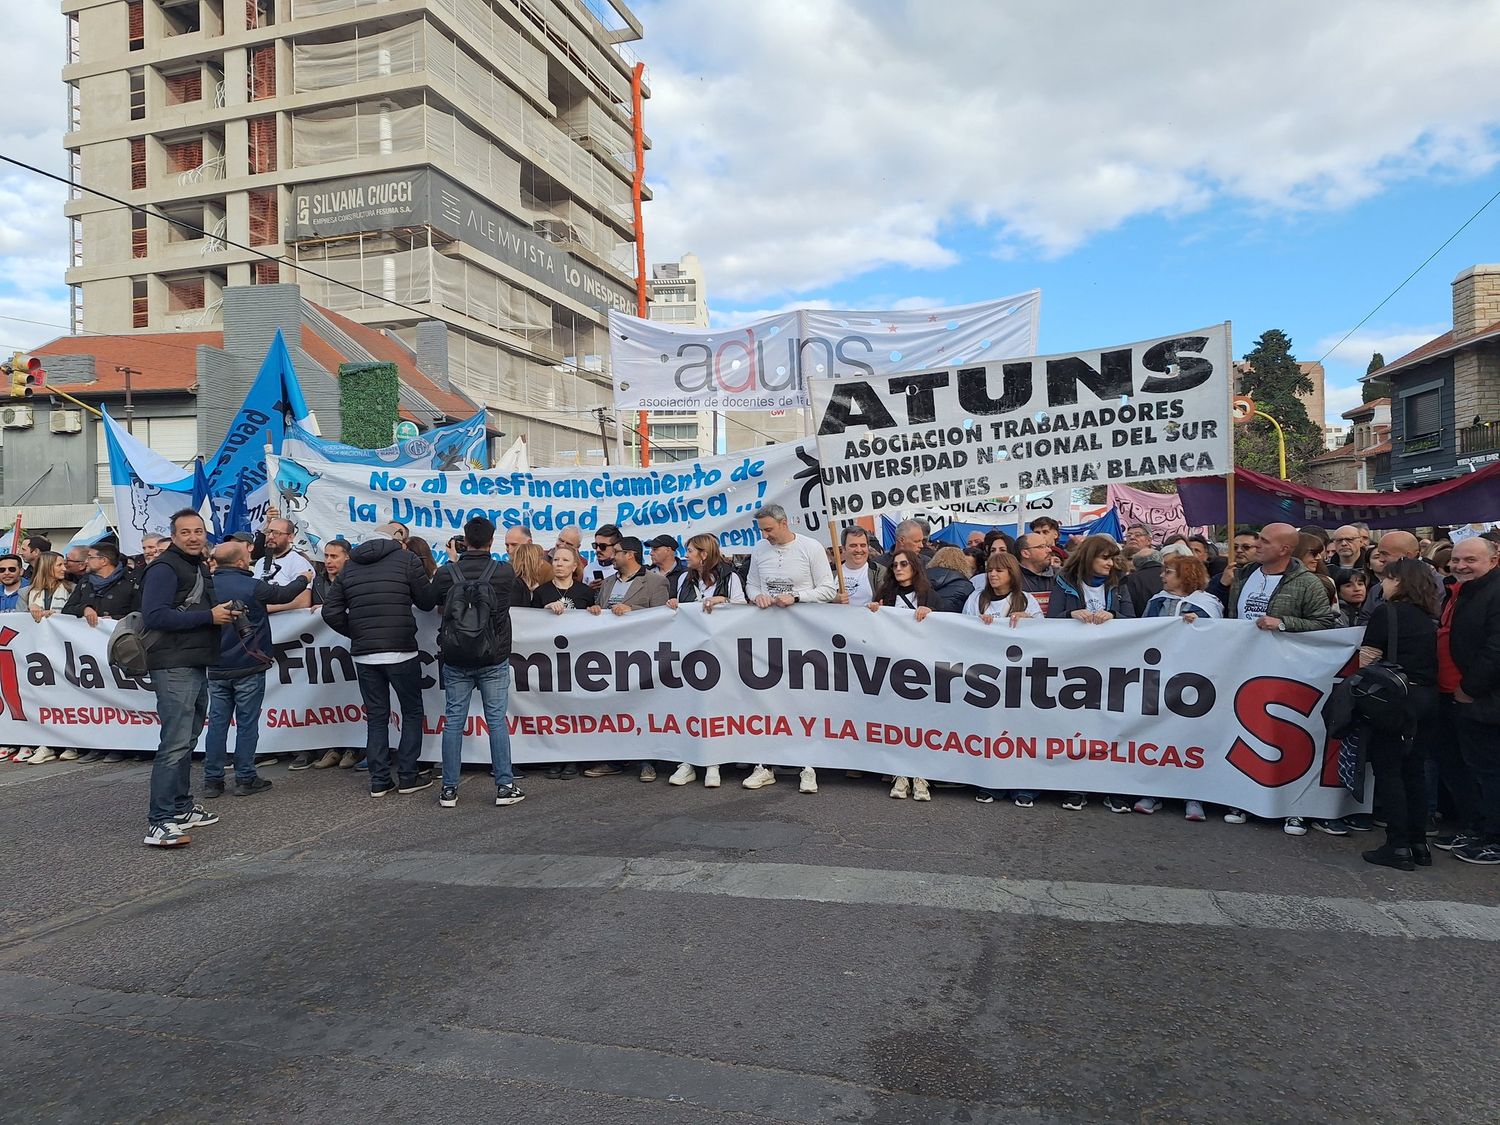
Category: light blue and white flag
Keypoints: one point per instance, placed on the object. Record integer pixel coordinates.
(148, 488)
(457, 446)
(240, 462)
(90, 533)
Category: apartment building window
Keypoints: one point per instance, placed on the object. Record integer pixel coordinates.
(263, 218)
(1424, 419)
(185, 156)
(263, 72)
(137, 163)
(260, 13)
(184, 88)
(137, 234)
(185, 294)
(137, 95)
(262, 145)
(265, 273)
(140, 307)
(135, 35)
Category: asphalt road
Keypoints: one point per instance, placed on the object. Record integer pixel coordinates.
(609, 951)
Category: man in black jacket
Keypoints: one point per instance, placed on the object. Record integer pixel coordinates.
(372, 604)
(107, 589)
(177, 603)
(476, 663)
(237, 681)
(1469, 672)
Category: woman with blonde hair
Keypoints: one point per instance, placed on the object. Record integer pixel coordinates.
(566, 589)
(532, 571)
(50, 589)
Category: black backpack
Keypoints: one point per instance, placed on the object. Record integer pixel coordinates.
(130, 644)
(1377, 696)
(466, 634)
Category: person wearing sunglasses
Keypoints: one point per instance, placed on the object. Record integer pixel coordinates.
(12, 588)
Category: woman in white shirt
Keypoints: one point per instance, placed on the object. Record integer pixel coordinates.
(906, 587)
(1001, 593)
(50, 588)
(710, 581)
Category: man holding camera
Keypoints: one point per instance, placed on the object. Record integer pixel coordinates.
(237, 682)
(178, 606)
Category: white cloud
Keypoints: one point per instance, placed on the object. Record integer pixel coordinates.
(1347, 363)
(802, 142)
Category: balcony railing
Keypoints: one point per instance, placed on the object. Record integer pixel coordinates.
(1422, 443)
(1480, 438)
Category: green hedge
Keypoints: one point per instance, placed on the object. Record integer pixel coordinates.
(368, 397)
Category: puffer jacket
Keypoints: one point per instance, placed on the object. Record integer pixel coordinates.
(373, 599)
(1300, 600)
(1066, 598)
(951, 588)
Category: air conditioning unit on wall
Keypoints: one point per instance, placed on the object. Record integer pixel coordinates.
(17, 417)
(66, 421)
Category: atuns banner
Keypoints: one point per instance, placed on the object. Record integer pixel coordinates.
(764, 365)
(1162, 513)
(1215, 711)
(1260, 499)
(1157, 408)
(714, 495)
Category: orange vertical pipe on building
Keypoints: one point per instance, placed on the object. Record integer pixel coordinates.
(636, 181)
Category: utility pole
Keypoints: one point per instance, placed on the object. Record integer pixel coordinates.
(603, 435)
(129, 403)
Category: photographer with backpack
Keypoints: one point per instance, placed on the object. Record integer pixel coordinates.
(474, 597)
(1402, 635)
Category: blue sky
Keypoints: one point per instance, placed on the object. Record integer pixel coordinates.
(1279, 165)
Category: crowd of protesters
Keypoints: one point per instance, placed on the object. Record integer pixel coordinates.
(1431, 606)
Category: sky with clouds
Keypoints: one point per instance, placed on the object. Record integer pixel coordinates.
(1151, 167)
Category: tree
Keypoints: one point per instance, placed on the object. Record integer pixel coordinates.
(1375, 388)
(1273, 378)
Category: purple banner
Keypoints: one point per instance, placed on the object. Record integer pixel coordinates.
(1260, 500)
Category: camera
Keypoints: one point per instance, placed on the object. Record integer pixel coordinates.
(242, 623)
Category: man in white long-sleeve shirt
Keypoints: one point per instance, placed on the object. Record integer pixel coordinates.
(786, 568)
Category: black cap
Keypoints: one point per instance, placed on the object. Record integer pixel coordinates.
(243, 537)
(665, 541)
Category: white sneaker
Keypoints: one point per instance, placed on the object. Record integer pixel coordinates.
(43, 755)
(68, 755)
(919, 790)
(1235, 816)
(901, 789)
(24, 754)
(683, 774)
(759, 777)
(1295, 826)
(809, 780)
(1194, 811)
(711, 777)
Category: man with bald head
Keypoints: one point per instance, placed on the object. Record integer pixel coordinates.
(1393, 545)
(237, 683)
(1279, 594)
(1469, 687)
(570, 537)
(1348, 546)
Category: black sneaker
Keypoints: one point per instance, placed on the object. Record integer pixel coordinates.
(1479, 852)
(382, 790)
(554, 772)
(1332, 827)
(1453, 841)
(302, 761)
(1074, 801)
(508, 795)
(1117, 804)
(250, 788)
(448, 798)
(213, 788)
(1358, 822)
(91, 757)
(114, 757)
(416, 784)
(569, 771)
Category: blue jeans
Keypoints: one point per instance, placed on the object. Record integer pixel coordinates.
(181, 705)
(493, 684)
(241, 696)
(376, 682)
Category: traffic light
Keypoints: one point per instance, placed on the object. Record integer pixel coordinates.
(25, 375)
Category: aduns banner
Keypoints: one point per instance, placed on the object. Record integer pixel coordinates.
(1215, 711)
(1133, 412)
(714, 495)
(765, 365)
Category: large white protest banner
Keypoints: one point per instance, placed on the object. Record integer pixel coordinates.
(713, 496)
(1158, 408)
(764, 365)
(1215, 711)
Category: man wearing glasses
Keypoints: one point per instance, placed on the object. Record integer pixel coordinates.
(12, 589)
(1347, 546)
(605, 541)
(1038, 575)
